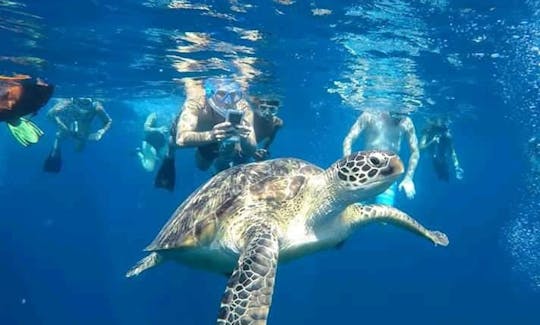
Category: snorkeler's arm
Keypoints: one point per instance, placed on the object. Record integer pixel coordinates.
(277, 124)
(422, 144)
(104, 117)
(427, 134)
(455, 159)
(355, 131)
(423, 140)
(193, 88)
(249, 143)
(413, 147)
(186, 135)
(54, 113)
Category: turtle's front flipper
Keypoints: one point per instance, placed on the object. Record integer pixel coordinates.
(249, 291)
(358, 214)
(149, 261)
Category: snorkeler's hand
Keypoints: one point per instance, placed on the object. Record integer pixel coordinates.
(243, 130)
(40, 82)
(163, 129)
(96, 136)
(459, 173)
(261, 154)
(222, 131)
(278, 122)
(407, 186)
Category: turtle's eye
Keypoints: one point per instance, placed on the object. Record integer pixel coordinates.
(376, 160)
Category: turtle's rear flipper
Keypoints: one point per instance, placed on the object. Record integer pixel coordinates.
(166, 175)
(24, 131)
(149, 261)
(53, 163)
(248, 296)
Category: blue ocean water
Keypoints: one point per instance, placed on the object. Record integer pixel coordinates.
(67, 240)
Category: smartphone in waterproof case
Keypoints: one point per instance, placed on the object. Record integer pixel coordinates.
(235, 116)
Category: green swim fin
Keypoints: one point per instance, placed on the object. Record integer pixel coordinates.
(166, 175)
(53, 163)
(24, 131)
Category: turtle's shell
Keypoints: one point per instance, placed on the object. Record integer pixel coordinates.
(197, 219)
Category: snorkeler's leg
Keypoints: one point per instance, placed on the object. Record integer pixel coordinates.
(201, 161)
(148, 164)
(162, 153)
(148, 156)
(440, 165)
(80, 144)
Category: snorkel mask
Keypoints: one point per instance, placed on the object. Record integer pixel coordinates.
(83, 102)
(397, 117)
(223, 94)
(268, 107)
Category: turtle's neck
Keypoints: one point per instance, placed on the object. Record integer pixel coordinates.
(328, 200)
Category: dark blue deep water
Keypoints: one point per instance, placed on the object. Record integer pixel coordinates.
(67, 240)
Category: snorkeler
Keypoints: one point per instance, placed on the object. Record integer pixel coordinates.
(219, 123)
(384, 131)
(437, 138)
(74, 119)
(266, 125)
(20, 96)
(154, 146)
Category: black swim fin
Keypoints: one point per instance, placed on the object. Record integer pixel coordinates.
(166, 175)
(53, 163)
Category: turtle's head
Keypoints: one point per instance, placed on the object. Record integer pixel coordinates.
(364, 174)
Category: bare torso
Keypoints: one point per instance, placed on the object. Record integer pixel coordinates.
(79, 120)
(383, 132)
(207, 118)
(264, 127)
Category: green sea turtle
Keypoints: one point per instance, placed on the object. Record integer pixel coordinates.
(246, 218)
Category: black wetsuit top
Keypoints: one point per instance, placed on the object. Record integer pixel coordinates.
(440, 150)
(155, 139)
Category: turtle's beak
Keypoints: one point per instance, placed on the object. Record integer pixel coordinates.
(394, 168)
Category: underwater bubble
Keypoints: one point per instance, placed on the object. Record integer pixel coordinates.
(523, 237)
